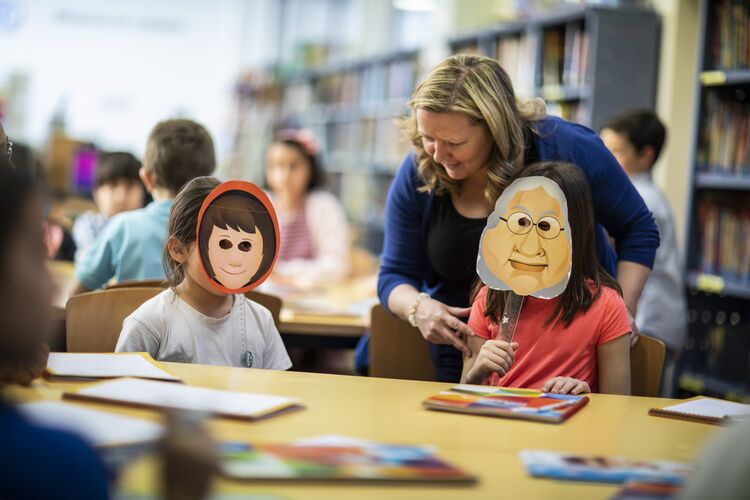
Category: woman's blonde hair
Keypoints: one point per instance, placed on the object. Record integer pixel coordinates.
(478, 88)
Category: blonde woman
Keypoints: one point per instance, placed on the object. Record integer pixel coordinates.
(471, 136)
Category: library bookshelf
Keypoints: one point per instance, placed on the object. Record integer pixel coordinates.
(577, 60)
(717, 356)
(351, 109)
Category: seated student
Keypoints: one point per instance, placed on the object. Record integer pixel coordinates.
(39, 462)
(117, 189)
(636, 139)
(576, 342)
(192, 322)
(315, 244)
(131, 245)
(36, 462)
(58, 240)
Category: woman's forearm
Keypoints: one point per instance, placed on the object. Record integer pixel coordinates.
(401, 299)
(632, 278)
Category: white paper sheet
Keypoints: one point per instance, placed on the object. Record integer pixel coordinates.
(150, 392)
(87, 365)
(710, 407)
(486, 389)
(100, 428)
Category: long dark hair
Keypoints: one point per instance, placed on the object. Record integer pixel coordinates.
(585, 269)
(17, 187)
(303, 142)
(183, 220)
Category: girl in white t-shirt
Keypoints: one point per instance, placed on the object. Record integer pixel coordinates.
(191, 321)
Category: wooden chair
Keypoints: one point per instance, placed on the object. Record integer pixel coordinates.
(646, 364)
(270, 302)
(397, 349)
(138, 284)
(93, 320)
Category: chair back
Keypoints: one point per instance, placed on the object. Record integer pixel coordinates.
(270, 302)
(93, 320)
(646, 364)
(397, 349)
(138, 284)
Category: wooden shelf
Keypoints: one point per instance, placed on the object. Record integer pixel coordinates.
(699, 384)
(710, 180)
(719, 78)
(563, 93)
(719, 285)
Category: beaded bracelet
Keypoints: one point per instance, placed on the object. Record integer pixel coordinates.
(413, 308)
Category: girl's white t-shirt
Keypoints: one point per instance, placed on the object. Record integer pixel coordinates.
(169, 329)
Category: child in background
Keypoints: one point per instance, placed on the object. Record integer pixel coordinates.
(576, 342)
(315, 243)
(192, 322)
(117, 189)
(636, 138)
(131, 245)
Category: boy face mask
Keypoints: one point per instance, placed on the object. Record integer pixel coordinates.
(526, 244)
(238, 236)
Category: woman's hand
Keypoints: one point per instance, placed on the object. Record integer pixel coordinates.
(566, 385)
(495, 356)
(439, 324)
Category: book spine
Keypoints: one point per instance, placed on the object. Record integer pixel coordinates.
(725, 136)
(730, 47)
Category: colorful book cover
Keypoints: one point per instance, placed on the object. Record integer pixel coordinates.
(640, 490)
(508, 402)
(364, 462)
(593, 468)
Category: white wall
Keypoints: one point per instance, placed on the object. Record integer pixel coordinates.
(121, 66)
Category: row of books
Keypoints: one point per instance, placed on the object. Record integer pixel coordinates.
(725, 239)
(565, 56)
(574, 111)
(364, 144)
(725, 135)
(729, 41)
(369, 85)
(516, 54)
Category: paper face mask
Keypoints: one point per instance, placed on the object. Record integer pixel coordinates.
(238, 236)
(526, 244)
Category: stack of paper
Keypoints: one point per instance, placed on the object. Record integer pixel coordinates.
(707, 410)
(85, 366)
(161, 395)
(100, 428)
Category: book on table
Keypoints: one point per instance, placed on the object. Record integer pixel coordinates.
(705, 410)
(340, 459)
(164, 396)
(528, 404)
(100, 428)
(93, 366)
(603, 469)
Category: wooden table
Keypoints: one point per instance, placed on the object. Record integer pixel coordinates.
(389, 411)
(336, 314)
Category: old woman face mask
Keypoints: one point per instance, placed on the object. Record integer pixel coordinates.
(526, 244)
(238, 236)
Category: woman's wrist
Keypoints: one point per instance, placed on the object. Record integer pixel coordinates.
(412, 312)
